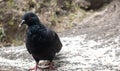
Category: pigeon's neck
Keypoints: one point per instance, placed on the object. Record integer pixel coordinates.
(37, 24)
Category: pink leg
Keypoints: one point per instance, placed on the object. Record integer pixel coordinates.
(51, 66)
(35, 68)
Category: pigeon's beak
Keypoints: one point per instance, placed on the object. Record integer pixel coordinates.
(22, 22)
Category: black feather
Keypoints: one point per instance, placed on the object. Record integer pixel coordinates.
(41, 42)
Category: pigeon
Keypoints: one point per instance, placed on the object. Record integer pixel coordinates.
(41, 42)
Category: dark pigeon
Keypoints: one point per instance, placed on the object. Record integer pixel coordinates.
(41, 42)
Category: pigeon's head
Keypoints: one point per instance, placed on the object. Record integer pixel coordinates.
(29, 19)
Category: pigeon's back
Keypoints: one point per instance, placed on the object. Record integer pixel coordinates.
(41, 40)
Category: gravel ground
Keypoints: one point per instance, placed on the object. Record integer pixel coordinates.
(94, 45)
(78, 54)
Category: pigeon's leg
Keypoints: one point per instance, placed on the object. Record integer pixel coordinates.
(35, 68)
(50, 65)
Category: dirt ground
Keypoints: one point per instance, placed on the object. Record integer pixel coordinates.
(101, 25)
(91, 46)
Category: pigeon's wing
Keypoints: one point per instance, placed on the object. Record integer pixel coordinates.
(58, 44)
(54, 41)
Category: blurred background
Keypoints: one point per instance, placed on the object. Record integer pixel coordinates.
(89, 31)
(59, 15)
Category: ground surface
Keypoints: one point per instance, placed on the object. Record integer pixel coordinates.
(94, 45)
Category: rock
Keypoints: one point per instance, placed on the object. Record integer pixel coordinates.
(91, 4)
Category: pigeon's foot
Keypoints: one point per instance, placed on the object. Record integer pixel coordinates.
(36, 68)
(51, 66)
